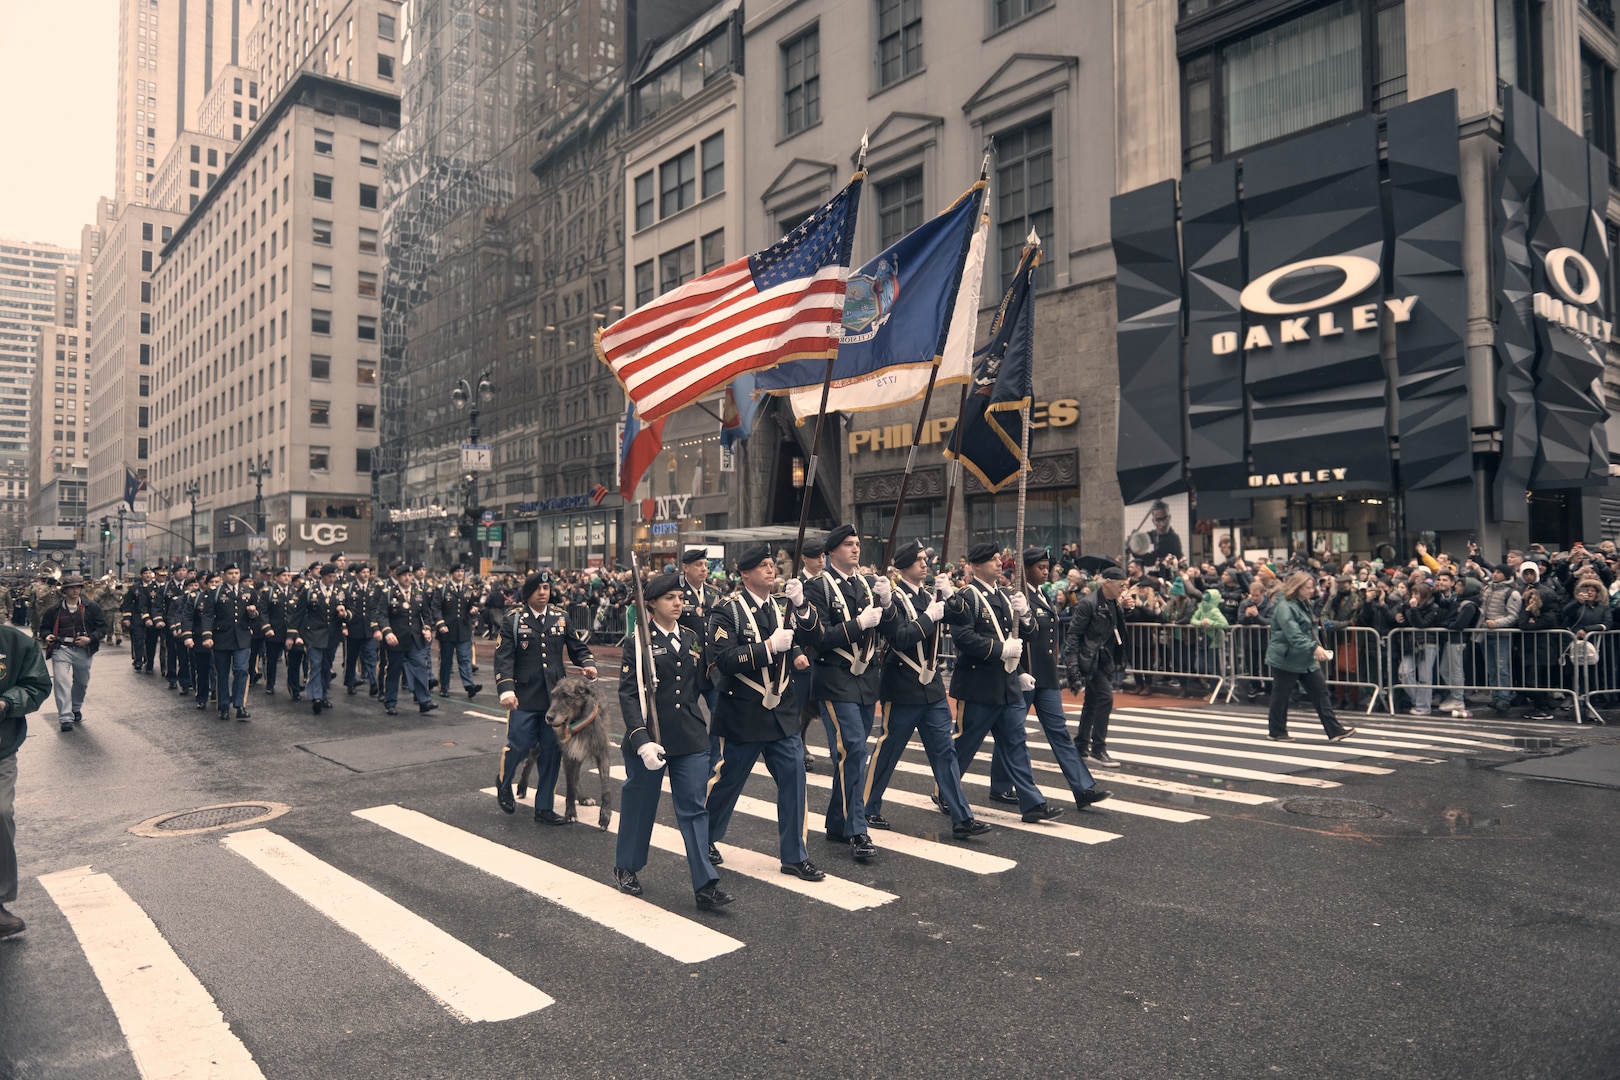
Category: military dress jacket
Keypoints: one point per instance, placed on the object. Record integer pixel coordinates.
(278, 603)
(452, 611)
(677, 659)
(404, 613)
(744, 671)
(364, 600)
(841, 643)
(913, 652)
(700, 604)
(981, 619)
(319, 617)
(226, 620)
(1043, 644)
(529, 658)
(191, 615)
(174, 611)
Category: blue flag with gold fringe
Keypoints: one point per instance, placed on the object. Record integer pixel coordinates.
(990, 440)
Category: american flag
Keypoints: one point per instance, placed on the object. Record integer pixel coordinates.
(783, 303)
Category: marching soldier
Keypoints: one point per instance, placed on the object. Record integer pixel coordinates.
(281, 638)
(812, 562)
(230, 619)
(1041, 662)
(681, 747)
(913, 693)
(202, 662)
(176, 661)
(698, 599)
(985, 626)
(528, 663)
(848, 672)
(150, 630)
(754, 642)
(320, 620)
(455, 610)
(360, 651)
(404, 620)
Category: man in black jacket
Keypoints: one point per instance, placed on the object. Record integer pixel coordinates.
(405, 620)
(230, 619)
(455, 609)
(1096, 648)
(321, 620)
(72, 632)
(24, 685)
(281, 638)
(363, 598)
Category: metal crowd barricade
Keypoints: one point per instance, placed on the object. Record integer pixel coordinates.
(1178, 651)
(1432, 666)
(1357, 666)
(1597, 672)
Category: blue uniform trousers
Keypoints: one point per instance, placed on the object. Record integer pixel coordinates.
(231, 670)
(459, 653)
(933, 722)
(1005, 725)
(360, 661)
(524, 732)
(318, 688)
(202, 672)
(848, 724)
(638, 806)
(411, 664)
(711, 698)
(1049, 709)
(785, 760)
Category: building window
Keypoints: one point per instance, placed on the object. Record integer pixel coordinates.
(1293, 76)
(677, 184)
(367, 285)
(644, 199)
(320, 277)
(1007, 12)
(644, 282)
(801, 81)
(385, 67)
(365, 373)
(385, 27)
(368, 241)
(323, 142)
(146, 261)
(323, 187)
(362, 460)
(320, 413)
(196, 155)
(676, 268)
(320, 322)
(1024, 193)
(368, 152)
(714, 249)
(320, 367)
(320, 458)
(365, 417)
(714, 164)
(1597, 103)
(368, 196)
(143, 446)
(899, 39)
(900, 207)
(366, 328)
(196, 178)
(1518, 45)
(322, 231)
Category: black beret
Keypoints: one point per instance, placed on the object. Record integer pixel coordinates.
(839, 535)
(1034, 555)
(399, 568)
(331, 568)
(418, 566)
(662, 585)
(227, 567)
(1112, 573)
(907, 555)
(533, 582)
(982, 553)
(694, 555)
(813, 549)
(752, 557)
(456, 566)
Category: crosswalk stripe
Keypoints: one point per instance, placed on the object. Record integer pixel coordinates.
(1247, 728)
(1056, 830)
(1277, 757)
(1232, 772)
(1170, 787)
(1161, 727)
(172, 1024)
(1162, 813)
(1420, 729)
(466, 982)
(837, 891)
(679, 938)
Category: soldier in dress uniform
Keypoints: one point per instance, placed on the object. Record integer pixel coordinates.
(528, 663)
(681, 746)
(985, 626)
(1041, 661)
(281, 640)
(913, 693)
(176, 661)
(150, 610)
(455, 610)
(698, 600)
(164, 589)
(406, 624)
(230, 619)
(754, 641)
(360, 652)
(202, 661)
(321, 620)
(848, 673)
(813, 560)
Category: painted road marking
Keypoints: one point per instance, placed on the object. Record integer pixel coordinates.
(1064, 794)
(1231, 772)
(174, 1028)
(679, 938)
(1057, 830)
(470, 985)
(1165, 728)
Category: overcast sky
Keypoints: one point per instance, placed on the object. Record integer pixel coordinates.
(58, 69)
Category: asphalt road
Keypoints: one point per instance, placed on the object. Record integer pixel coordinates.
(1469, 931)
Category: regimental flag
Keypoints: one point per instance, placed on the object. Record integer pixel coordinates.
(989, 441)
(784, 303)
(133, 486)
(598, 493)
(641, 445)
(897, 311)
(741, 406)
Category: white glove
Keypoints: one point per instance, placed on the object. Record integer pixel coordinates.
(869, 617)
(1020, 604)
(1012, 649)
(935, 611)
(509, 700)
(779, 642)
(943, 588)
(652, 756)
(794, 591)
(884, 590)
(1026, 682)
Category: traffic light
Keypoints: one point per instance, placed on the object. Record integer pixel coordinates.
(106, 528)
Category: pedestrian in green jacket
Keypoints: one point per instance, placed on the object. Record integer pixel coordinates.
(24, 684)
(1295, 657)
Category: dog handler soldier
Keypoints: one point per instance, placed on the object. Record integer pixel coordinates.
(752, 640)
(682, 747)
(528, 663)
(24, 685)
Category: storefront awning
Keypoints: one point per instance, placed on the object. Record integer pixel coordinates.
(756, 535)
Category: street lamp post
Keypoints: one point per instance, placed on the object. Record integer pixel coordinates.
(120, 541)
(258, 469)
(192, 491)
(462, 397)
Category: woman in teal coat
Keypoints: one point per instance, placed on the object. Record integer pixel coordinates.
(1295, 656)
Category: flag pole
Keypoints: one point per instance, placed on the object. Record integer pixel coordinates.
(1023, 449)
(644, 670)
(933, 375)
(821, 422)
(955, 478)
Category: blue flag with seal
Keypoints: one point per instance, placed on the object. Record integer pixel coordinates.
(990, 440)
(132, 486)
(897, 308)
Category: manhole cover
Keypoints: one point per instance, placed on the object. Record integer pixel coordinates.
(204, 818)
(1342, 809)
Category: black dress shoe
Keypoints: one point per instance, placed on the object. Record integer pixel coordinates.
(939, 803)
(503, 798)
(351, 688)
(1101, 757)
(391, 711)
(67, 725)
(269, 691)
(1043, 812)
(1092, 795)
(804, 871)
(878, 821)
(1010, 798)
(550, 817)
(627, 883)
(971, 827)
(243, 714)
(714, 856)
(78, 717)
(808, 762)
(427, 706)
(1280, 738)
(201, 705)
(224, 714)
(433, 684)
(297, 695)
(862, 847)
(474, 690)
(315, 706)
(444, 693)
(711, 896)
